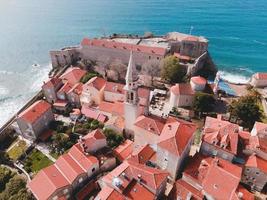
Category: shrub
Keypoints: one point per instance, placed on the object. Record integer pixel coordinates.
(113, 138)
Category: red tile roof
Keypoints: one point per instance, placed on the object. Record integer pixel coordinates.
(124, 150)
(183, 190)
(73, 75)
(65, 88)
(136, 191)
(60, 103)
(85, 161)
(257, 162)
(182, 57)
(52, 83)
(261, 76)
(114, 87)
(77, 88)
(182, 89)
(108, 193)
(69, 167)
(93, 114)
(143, 93)
(198, 80)
(46, 182)
(35, 111)
(152, 124)
(221, 133)
(92, 137)
(176, 135)
(62, 173)
(211, 174)
(142, 154)
(246, 195)
(116, 108)
(260, 128)
(96, 82)
(123, 46)
(151, 177)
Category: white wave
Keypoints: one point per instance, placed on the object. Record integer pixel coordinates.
(12, 104)
(259, 42)
(234, 78)
(3, 91)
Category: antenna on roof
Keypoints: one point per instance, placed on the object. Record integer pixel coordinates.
(191, 29)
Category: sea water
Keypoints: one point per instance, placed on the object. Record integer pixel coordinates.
(236, 30)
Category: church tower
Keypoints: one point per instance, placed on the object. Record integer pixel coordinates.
(131, 96)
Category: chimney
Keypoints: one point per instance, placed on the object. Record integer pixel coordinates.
(240, 195)
(170, 127)
(219, 116)
(139, 177)
(215, 161)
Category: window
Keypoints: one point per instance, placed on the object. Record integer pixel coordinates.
(93, 169)
(257, 173)
(149, 57)
(247, 169)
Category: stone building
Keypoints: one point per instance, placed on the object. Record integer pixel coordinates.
(93, 92)
(255, 173)
(220, 138)
(35, 119)
(50, 89)
(170, 138)
(93, 141)
(182, 94)
(259, 80)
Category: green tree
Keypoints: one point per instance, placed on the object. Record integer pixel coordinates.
(246, 109)
(113, 139)
(5, 176)
(171, 70)
(4, 159)
(203, 102)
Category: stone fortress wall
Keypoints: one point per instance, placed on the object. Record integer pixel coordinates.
(107, 49)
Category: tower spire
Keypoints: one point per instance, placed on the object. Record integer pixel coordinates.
(130, 75)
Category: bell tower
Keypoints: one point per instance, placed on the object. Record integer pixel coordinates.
(131, 95)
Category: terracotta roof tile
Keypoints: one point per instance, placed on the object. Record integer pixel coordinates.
(49, 178)
(261, 76)
(96, 82)
(69, 168)
(114, 87)
(73, 75)
(182, 89)
(183, 190)
(52, 83)
(142, 154)
(211, 174)
(35, 111)
(124, 150)
(143, 92)
(152, 124)
(199, 80)
(221, 133)
(257, 162)
(65, 88)
(85, 161)
(123, 46)
(176, 135)
(77, 88)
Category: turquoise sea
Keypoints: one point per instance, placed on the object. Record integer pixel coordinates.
(236, 29)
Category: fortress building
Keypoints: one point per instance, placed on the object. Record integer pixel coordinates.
(191, 51)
